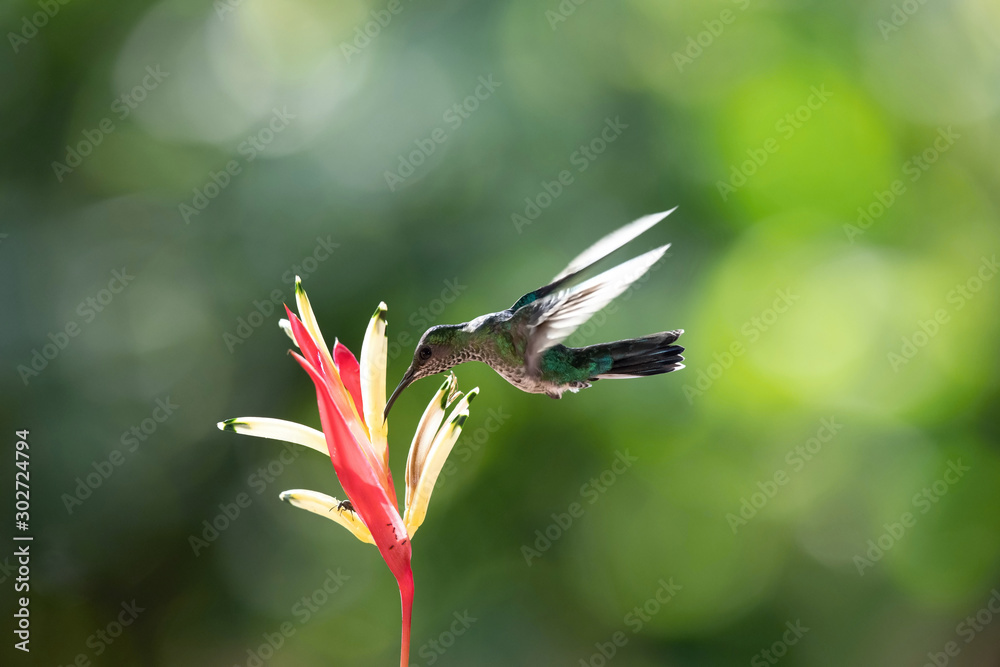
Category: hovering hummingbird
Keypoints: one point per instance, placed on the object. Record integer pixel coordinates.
(523, 342)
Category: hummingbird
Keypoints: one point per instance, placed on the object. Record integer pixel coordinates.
(524, 342)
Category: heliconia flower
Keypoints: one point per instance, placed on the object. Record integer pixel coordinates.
(351, 399)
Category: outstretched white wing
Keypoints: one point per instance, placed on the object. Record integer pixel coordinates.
(611, 242)
(554, 318)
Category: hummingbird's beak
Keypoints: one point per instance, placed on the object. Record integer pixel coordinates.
(403, 384)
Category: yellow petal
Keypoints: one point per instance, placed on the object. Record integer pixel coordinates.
(328, 506)
(426, 474)
(286, 326)
(278, 429)
(374, 353)
(427, 429)
(309, 321)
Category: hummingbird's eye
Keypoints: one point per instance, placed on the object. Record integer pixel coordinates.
(424, 353)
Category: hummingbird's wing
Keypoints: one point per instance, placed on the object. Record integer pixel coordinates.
(594, 254)
(552, 319)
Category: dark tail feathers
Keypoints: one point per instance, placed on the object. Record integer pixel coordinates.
(638, 357)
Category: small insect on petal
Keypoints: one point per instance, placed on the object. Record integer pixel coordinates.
(331, 508)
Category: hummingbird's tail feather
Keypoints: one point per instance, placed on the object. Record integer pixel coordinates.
(640, 357)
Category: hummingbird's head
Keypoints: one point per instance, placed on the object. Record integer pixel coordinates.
(436, 352)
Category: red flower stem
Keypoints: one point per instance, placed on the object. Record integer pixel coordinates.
(406, 601)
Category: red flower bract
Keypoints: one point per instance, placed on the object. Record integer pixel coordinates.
(365, 479)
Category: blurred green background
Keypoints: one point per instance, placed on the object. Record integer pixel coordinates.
(833, 265)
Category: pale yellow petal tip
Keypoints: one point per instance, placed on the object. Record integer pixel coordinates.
(298, 285)
(286, 326)
(229, 425)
